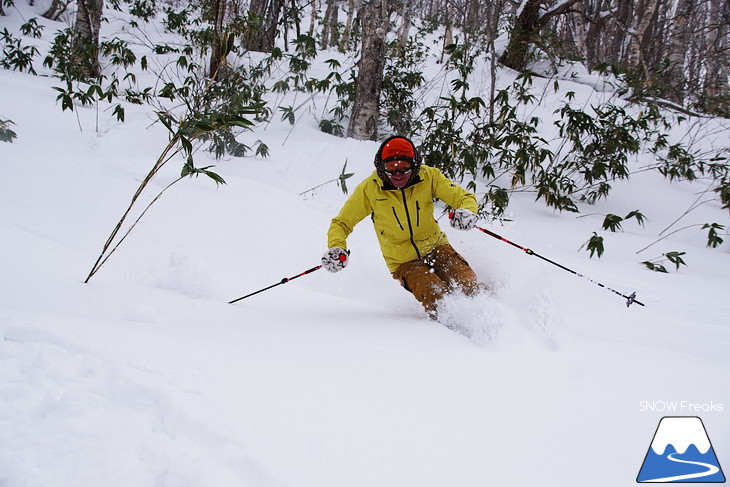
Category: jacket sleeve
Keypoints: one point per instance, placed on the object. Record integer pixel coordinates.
(355, 209)
(451, 193)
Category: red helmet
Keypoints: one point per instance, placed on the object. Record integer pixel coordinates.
(397, 148)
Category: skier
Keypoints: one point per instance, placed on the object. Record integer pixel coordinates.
(399, 197)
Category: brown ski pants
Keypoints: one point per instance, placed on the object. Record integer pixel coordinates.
(435, 275)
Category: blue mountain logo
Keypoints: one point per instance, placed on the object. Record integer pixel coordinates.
(681, 452)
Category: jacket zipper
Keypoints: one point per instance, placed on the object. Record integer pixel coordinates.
(418, 214)
(410, 227)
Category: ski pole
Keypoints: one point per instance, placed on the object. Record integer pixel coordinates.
(283, 281)
(630, 299)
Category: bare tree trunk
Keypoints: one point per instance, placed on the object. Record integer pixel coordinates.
(613, 35)
(334, 24)
(523, 32)
(405, 29)
(638, 31)
(285, 28)
(314, 17)
(678, 43)
(474, 14)
(579, 31)
(330, 24)
(218, 13)
(290, 17)
(495, 11)
(716, 83)
(270, 34)
(352, 6)
(694, 61)
(448, 31)
(593, 34)
(267, 13)
(297, 19)
(654, 41)
(57, 8)
(86, 37)
(257, 9)
(366, 107)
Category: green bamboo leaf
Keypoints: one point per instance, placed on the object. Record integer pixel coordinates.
(203, 126)
(215, 177)
(119, 112)
(612, 222)
(66, 102)
(241, 122)
(638, 215)
(676, 258)
(262, 149)
(187, 146)
(187, 169)
(713, 239)
(595, 245)
(165, 119)
(655, 267)
(7, 135)
(228, 47)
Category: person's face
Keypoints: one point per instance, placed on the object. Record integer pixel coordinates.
(399, 172)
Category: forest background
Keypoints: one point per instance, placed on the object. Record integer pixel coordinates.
(668, 58)
(235, 129)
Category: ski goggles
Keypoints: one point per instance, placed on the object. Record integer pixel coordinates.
(397, 167)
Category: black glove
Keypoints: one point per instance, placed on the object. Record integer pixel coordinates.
(335, 259)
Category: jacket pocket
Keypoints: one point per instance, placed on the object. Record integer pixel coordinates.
(397, 219)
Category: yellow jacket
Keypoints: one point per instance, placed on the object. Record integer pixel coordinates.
(403, 218)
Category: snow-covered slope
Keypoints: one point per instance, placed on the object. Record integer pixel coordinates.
(147, 377)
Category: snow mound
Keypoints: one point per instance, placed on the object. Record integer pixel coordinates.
(74, 417)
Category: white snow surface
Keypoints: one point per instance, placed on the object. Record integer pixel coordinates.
(146, 376)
